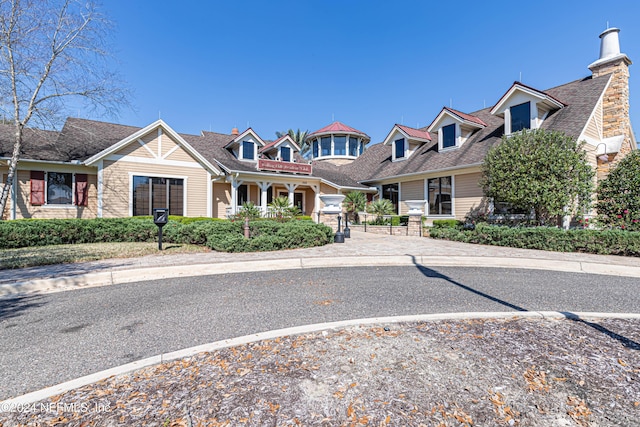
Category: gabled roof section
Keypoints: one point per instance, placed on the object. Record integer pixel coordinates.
(409, 133)
(376, 163)
(243, 135)
(337, 127)
(459, 116)
(278, 142)
(548, 99)
(140, 133)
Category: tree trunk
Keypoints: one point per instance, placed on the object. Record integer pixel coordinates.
(13, 166)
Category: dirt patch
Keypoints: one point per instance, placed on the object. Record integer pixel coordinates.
(516, 372)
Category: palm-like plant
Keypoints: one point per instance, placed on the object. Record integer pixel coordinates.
(282, 209)
(299, 138)
(248, 210)
(354, 202)
(379, 208)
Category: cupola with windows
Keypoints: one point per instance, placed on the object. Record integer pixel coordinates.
(337, 143)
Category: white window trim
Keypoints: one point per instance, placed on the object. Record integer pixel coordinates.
(456, 138)
(332, 154)
(453, 198)
(58, 205)
(152, 175)
(406, 149)
(241, 151)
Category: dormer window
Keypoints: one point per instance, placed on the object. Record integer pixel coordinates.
(248, 150)
(523, 107)
(449, 136)
(285, 154)
(399, 148)
(520, 117)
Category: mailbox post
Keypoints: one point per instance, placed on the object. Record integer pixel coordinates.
(160, 218)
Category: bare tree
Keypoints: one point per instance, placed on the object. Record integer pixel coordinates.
(53, 57)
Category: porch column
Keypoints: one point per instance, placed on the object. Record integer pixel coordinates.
(291, 188)
(264, 186)
(316, 202)
(235, 183)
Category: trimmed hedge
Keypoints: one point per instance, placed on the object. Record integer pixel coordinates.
(447, 223)
(41, 232)
(605, 242)
(220, 235)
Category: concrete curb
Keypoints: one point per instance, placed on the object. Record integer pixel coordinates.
(115, 277)
(11, 404)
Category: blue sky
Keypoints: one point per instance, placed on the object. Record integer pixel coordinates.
(274, 65)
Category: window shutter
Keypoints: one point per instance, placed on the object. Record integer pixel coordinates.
(37, 187)
(82, 189)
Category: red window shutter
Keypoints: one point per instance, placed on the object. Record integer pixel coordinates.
(37, 187)
(82, 189)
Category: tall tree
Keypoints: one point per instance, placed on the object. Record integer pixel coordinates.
(299, 138)
(52, 54)
(546, 172)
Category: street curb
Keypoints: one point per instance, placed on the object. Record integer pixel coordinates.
(116, 277)
(10, 404)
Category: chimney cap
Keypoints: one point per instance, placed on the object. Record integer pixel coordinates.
(609, 48)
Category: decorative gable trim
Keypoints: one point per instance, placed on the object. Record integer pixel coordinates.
(159, 125)
(542, 97)
(463, 118)
(407, 132)
(249, 132)
(278, 142)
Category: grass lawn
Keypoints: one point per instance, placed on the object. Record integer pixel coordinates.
(59, 254)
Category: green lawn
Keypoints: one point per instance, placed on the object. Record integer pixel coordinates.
(59, 254)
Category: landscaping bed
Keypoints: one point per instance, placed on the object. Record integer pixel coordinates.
(603, 242)
(220, 235)
(513, 372)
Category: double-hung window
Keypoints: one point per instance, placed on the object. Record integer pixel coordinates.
(520, 117)
(399, 145)
(248, 150)
(285, 154)
(449, 136)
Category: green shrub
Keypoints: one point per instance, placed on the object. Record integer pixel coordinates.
(27, 233)
(447, 223)
(606, 242)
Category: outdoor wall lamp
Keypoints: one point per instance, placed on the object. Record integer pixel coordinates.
(604, 158)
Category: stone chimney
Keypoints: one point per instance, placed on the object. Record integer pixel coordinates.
(234, 131)
(615, 103)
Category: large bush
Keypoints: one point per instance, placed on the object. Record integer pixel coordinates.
(619, 195)
(41, 232)
(607, 242)
(540, 171)
(220, 235)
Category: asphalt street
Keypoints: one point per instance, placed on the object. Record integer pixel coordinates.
(48, 339)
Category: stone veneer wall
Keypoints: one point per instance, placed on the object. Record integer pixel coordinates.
(615, 117)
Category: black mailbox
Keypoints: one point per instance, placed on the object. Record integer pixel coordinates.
(160, 218)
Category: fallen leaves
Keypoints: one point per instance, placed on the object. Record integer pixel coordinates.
(578, 410)
(536, 380)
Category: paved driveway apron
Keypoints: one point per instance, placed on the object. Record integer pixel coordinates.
(52, 338)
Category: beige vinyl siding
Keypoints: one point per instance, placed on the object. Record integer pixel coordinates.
(594, 127)
(410, 190)
(151, 140)
(180, 154)
(309, 201)
(468, 194)
(24, 208)
(3, 179)
(136, 150)
(221, 199)
(254, 194)
(117, 186)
